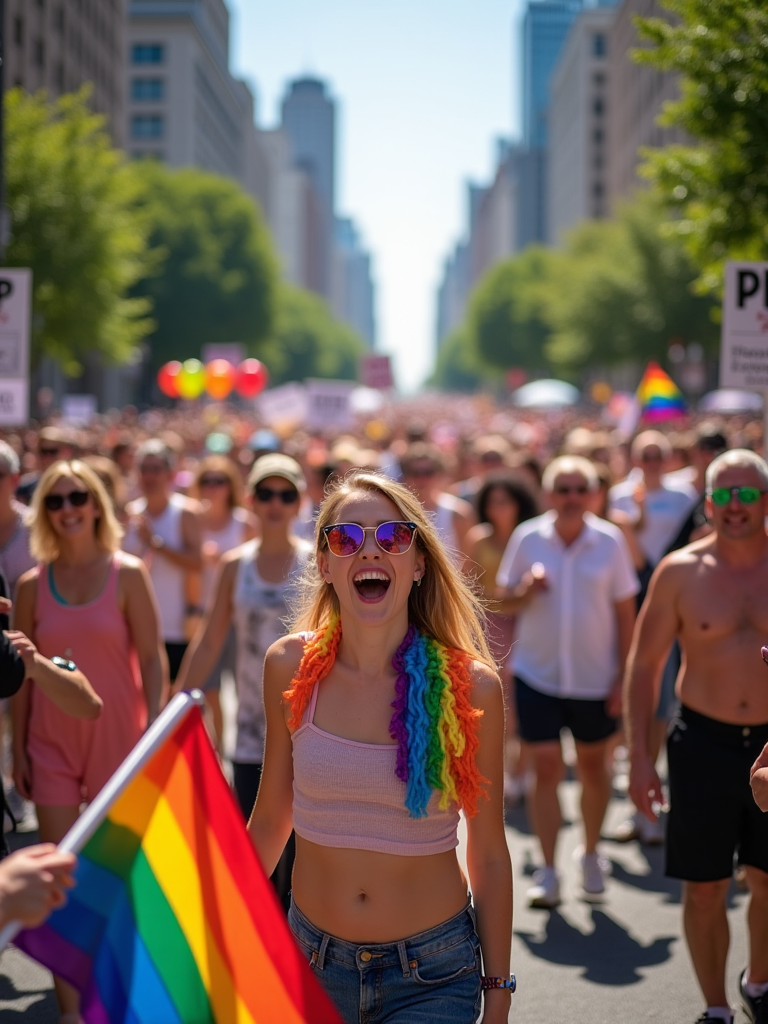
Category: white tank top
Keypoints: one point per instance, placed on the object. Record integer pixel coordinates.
(167, 579)
(260, 609)
(230, 537)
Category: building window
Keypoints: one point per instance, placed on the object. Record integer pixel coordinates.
(39, 53)
(147, 126)
(597, 189)
(598, 78)
(598, 107)
(597, 136)
(59, 77)
(143, 89)
(58, 20)
(148, 53)
(599, 45)
(18, 31)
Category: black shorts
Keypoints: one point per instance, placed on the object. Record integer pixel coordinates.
(713, 815)
(542, 717)
(175, 652)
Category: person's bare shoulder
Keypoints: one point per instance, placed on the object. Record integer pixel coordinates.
(283, 658)
(235, 554)
(189, 505)
(486, 687)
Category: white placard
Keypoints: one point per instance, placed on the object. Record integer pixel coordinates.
(79, 410)
(15, 297)
(744, 349)
(286, 404)
(328, 404)
(14, 402)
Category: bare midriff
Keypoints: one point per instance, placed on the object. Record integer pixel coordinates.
(724, 619)
(362, 896)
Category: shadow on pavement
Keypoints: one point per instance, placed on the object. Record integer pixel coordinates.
(608, 954)
(653, 880)
(33, 1004)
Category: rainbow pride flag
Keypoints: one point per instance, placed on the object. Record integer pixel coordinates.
(172, 920)
(659, 397)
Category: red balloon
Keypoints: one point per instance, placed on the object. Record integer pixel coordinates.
(252, 377)
(168, 378)
(219, 378)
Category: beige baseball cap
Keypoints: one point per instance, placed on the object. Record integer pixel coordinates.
(276, 464)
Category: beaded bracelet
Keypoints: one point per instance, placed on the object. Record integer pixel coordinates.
(487, 983)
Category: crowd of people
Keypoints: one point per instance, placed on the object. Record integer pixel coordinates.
(414, 612)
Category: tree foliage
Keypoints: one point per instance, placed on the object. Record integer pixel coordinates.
(309, 341)
(216, 277)
(458, 368)
(506, 322)
(719, 184)
(71, 201)
(623, 290)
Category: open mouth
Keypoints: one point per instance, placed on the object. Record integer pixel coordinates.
(371, 584)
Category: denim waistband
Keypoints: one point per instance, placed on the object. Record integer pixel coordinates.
(382, 954)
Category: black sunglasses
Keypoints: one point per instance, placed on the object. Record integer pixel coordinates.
(214, 481)
(347, 538)
(581, 489)
(56, 502)
(48, 452)
(266, 494)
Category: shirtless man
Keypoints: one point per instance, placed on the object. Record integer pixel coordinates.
(712, 597)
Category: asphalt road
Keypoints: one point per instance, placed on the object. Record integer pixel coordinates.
(619, 960)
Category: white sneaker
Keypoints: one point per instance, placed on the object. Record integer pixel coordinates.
(546, 891)
(594, 868)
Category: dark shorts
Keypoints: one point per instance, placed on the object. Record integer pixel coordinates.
(543, 717)
(713, 816)
(175, 653)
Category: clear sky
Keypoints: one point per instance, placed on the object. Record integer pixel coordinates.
(423, 88)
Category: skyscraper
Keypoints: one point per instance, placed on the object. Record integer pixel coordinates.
(309, 121)
(545, 28)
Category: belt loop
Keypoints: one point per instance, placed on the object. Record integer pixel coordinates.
(321, 952)
(402, 952)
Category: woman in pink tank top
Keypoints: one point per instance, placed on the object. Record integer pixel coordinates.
(91, 604)
(385, 719)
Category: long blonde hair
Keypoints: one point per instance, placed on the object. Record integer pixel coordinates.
(43, 542)
(444, 607)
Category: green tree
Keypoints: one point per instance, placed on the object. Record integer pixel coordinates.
(216, 276)
(308, 340)
(719, 185)
(71, 200)
(623, 290)
(457, 367)
(506, 325)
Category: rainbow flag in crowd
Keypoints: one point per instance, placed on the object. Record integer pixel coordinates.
(172, 920)
(659, 397)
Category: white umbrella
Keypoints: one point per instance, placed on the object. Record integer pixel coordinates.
(731, 400)
(546, 394)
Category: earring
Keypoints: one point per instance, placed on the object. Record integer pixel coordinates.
(418, 580)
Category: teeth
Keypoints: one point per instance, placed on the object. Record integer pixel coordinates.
(371, 574)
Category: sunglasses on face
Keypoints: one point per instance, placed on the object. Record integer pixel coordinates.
(214, 481)
(746, 495)
(266, 494)
(47, 453)
(347, 538)
(419, 472)
(56, 502)
(651, 457)
(579, 489)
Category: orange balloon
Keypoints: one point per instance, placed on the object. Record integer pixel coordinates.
(168, 378)
(219, 378)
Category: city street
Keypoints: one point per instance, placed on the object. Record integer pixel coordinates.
(618, 960)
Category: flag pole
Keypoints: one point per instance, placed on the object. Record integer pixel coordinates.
(164, 725)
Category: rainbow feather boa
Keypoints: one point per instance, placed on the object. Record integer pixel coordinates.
(434, 723)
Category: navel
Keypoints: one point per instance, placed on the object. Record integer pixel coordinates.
(705, 625)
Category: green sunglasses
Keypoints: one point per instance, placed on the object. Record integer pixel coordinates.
(746, 495)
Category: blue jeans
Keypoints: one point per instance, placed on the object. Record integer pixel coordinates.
(432, 977)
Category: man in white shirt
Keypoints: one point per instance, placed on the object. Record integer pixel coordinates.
(569, 577)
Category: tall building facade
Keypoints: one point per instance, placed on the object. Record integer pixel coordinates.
(308, 119)
(581, 96)
(184, 107)
(638, 93)
(353, 291)
(58, 46)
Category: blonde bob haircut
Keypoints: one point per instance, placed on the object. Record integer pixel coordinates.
(444, 607)
(43, 542)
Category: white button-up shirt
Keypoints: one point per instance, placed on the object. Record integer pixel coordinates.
(567, 637)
